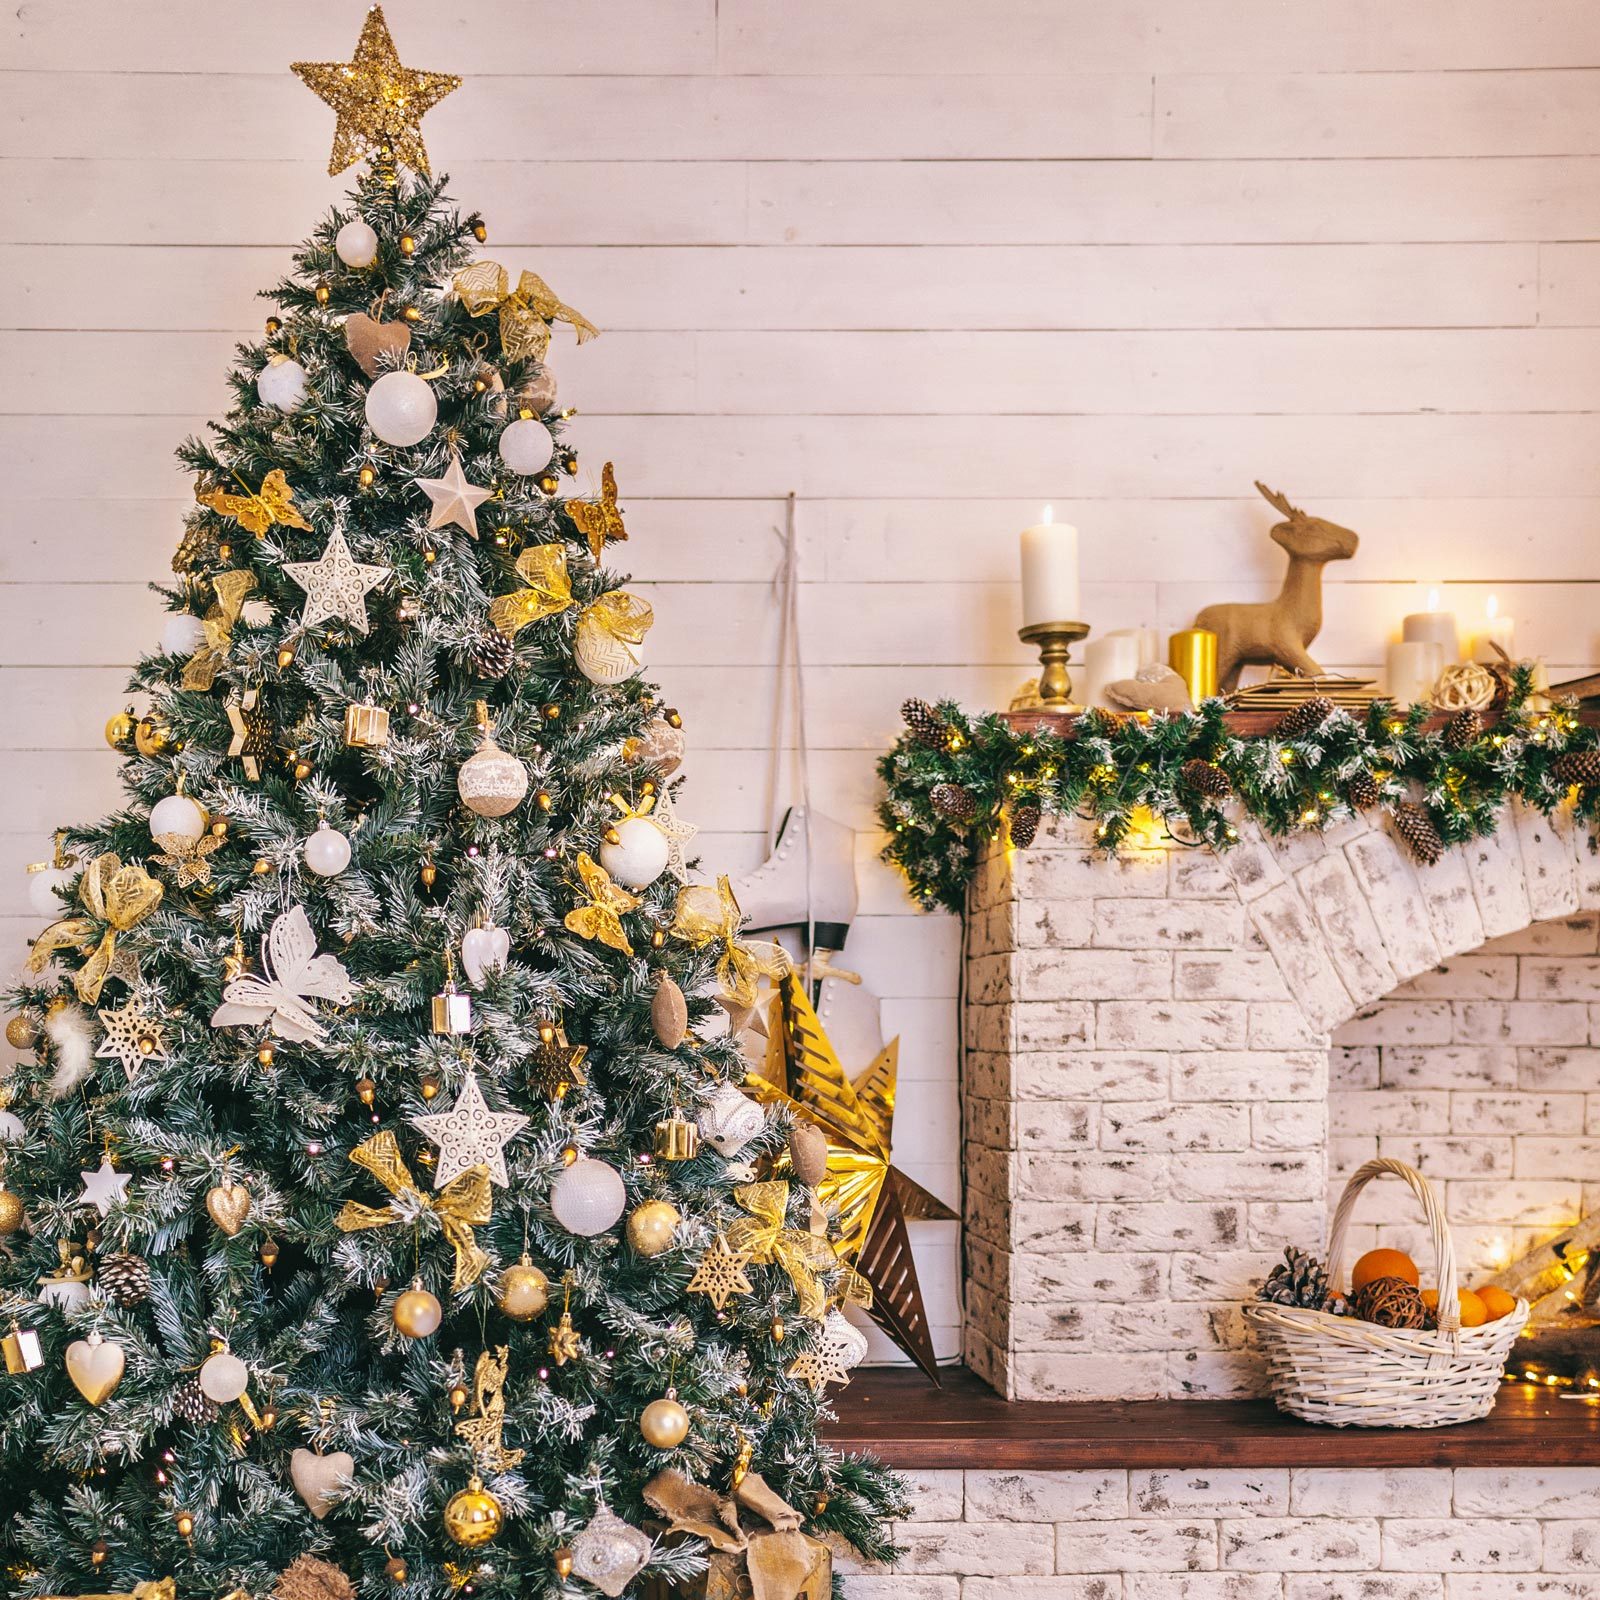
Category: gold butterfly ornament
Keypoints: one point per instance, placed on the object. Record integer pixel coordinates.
(601, 917)
(599, 521)
(256, 511)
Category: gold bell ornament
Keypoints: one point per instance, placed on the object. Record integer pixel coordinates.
(473, 1516)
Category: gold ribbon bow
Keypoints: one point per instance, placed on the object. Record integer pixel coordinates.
(601, 918)
(462, 1204)
(117, 895)
(543, 568)
(527, 312)
(767, 1238)
(623, 616)
(230, 587)
(705, 916)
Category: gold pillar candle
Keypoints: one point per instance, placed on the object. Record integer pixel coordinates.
(1192, 654)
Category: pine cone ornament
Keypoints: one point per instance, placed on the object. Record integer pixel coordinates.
(923, 721)
(1300, 1279)
(124, 1278)
(1462, 729)
(952, 801)
(1415, 826)
(1024, 826)
(1206, 778)
(492, 654)
(1391, 1303)
(1305, 718)
(1363, 790)
(307, 1578)
(190, 1403)
(1578, 766)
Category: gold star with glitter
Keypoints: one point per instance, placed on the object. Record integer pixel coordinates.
(131, 1038)
(253, 732)
(720, 1274)
(380, 104)
(554, 1066)
(564, 1345)
(187, 857)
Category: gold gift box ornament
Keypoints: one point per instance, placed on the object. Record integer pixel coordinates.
(365, 727)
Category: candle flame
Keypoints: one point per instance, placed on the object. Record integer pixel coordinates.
(1433, 599)
(1493, 607)
(1049, 515)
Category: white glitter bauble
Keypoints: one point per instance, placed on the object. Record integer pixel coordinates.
(602, 657)
(356, 244)
(401, 408)
(177, 814)
(843, 1341)
(281, 384)
(526, 446)
(640, 854)
(42, 886)
(729, 1120)
(327, 851)
(11, 1127)
(492, 782)
(223, 1377)
(588, 1198)
(182, 634)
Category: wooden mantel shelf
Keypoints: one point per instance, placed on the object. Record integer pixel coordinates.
(900, 1417)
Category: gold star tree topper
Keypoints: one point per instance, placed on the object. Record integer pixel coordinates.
(380, 104)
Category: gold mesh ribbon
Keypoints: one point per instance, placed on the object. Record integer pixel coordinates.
(543, 568)
(767, 1238)
(114, 895)
(625, 617)
(230, 587)
(527, 312)
(779, 1560)
(702, 920)
(461, 1205)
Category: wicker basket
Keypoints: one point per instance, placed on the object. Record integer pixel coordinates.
(1354, 1374)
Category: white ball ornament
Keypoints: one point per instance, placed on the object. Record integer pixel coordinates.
(327, 851)
(223, 1377)
(356, 244)
(526, 446)
(588, 1197)
(729, 1120)
(603, 658)
(640, 854)
(401, 408)
(177, 814)
(843, 1340)
(281, 383)
(182, 634)
(42, 886)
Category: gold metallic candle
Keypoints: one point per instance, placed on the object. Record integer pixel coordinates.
(1192, 654)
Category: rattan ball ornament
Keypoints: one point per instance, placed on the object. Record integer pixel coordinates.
(492, 782)
(1391, 1303)
(356, 243)
(1465, 686)
(524, 1291)
(417, 1313)
(653, 1227)
(281, 383)
(588, 1197)
(640, 854)
(401, 408)
(473, 1516)
(665, 1423)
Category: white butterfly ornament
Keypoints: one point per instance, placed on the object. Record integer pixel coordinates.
(292, 973)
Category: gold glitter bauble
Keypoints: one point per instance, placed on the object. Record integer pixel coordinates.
(21, 1032)
(473, 1516)
(524, 1291)
(11, 1212)
(652, 1227)
(418, 1313)
(665, 1424)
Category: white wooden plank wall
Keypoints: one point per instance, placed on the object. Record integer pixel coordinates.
(927, 266)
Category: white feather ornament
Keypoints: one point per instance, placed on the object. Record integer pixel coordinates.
(71, 1037)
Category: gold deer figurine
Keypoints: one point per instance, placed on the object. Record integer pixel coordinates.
(1278, 632)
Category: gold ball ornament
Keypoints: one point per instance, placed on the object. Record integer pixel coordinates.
(120, 730)
(12, 1212)
(417, 1313)
(22, 1032)
(492, 782)
(524, 1291)
(151, 736)
(665, 1423)
(653, 1226)
(473, 1516)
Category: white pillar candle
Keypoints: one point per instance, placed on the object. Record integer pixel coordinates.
(1049, 572)
(1497, 630)
(1433, 626)
(1108, 659)
(1414, 666)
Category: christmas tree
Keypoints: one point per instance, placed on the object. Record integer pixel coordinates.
(381, 1209)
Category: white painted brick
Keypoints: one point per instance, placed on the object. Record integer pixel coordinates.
(1227, 975)
(1203, 1586)
(1450, 1067)
(1559, 978)
(1353, 1067)
(1561, 936)
(1521, 1586)
(1252, 863)
(1170, 1025)
(1370, 1492)
(1171, 1225)
(1054, 1124)
(1297, 945)
(1046, 1227)
(1136, 1546)
(1094, 1275)
(1098, 1075)
(937, 1496)
(1451, 906)
(1473, 976)
(1215, 1375)
(1388, 879)
(1412, 1111)
(1251, 1075)
(1220, 1274)
(1444, 1544)
(1400, 1022)
(1289, 1125)
(1300, 1544)
(1572, 1546)
(1271, 1224)
(1053, 1024)
(1046, 1496)
(977, 1547)
(1557, 1158)
(1516, 1113)
(1282, 1025)
(1513, 1022)
(1586, 862)
(1548, 863)
(1248, 1175)
(1097, 1176)
(1454, 1157)
(1062, 923)
(1354, 942)
(901, 1585)
(1546, 1492)
(1494, 864)
(1059, 1586)
(1074, 874)
(1199, 875)
(1539, 1068)
(1362, 1586)
(1094, 974)
(1178, 924)
(1069, 1376)
(1199, 1125)
(1217, 1492)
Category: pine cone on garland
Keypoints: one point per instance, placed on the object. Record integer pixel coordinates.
(1578, 766)
(307, 1578)
(1391, 1303)
(952, 801)
(190, 1403)
(1305, 718)
(1298, 1280)
(1462, 729)
(492, 654)
(923, 721)
(1363, 790)
(124, 1278)
(1024, 826)
(1415, 826)
(1206, 778)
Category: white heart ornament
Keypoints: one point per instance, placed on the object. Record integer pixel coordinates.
(317, 1479)
(95, 1367)
(484, 950)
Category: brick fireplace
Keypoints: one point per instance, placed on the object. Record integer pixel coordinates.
(1174, 1058)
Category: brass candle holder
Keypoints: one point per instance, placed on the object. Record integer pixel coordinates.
(1055, 640)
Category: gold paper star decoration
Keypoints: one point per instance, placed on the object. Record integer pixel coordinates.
(870, 1196)
(720, 1274)
(379, 103)
(253, 732)
(554, 1066)
(131, 1038)
(818, 1368)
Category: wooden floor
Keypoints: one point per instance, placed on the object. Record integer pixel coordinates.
(899, 1416)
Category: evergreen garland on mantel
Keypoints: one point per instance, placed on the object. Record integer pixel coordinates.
(957, 783)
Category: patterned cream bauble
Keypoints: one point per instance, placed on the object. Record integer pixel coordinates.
(661, 746)
(524, 1291)
(844, 1345)
(281, 383)
(492, 782)
(653, 1227)
(609, 1553)
(729, 1120)
(603, 658)
(177, 814)
(526, 446)
(356, 243)
(640, 854)
(401, 408)
(587, 1198)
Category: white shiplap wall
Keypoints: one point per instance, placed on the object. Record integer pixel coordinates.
(924, 264)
